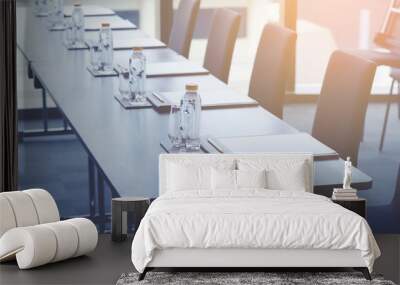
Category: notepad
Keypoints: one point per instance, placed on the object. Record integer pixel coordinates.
(129, 43)
(89, 10)
(283, 143)
(176, 68)
(116, 23)
(146, 43)
(121, 38)
(210, 99)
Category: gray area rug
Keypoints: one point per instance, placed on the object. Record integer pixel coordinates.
(273, 278)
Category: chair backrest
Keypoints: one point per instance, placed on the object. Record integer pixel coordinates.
(26, 208)
(183, 26)
(221, 43)
(281, 163)
(271, 68)
(340, 115)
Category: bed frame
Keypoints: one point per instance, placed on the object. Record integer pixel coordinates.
(250, 259)
(242, 259)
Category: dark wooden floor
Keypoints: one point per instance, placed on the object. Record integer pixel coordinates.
(103, 266)
(106, 264)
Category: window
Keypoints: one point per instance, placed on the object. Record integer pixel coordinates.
(324, 26)
(254, 15)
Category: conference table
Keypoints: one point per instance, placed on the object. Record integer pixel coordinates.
(123, 145)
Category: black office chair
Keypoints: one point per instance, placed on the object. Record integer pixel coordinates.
(340, 115)
(221, 43)
(391, 60)
(271, 67)
(183, 26)
(387, 38)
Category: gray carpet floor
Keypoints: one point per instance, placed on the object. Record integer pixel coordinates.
(268, 278)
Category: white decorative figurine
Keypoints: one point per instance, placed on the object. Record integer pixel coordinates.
(347, 174)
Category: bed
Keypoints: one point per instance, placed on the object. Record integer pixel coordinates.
(247, 211)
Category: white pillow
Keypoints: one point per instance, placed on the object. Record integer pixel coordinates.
(193, 172)
(181, 177)
(223, 179)
(251, 178)
(237, 179)
(282, 174)
(292, 179)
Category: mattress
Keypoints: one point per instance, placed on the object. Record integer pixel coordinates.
(250, 219)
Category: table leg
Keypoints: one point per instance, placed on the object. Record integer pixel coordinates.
(30, 72)
(100, 192)
(65, 124)
(92, 190)
(45, 114)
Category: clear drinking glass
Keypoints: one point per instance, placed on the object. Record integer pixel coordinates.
(95, 55)
(124, 83)
(174, 126)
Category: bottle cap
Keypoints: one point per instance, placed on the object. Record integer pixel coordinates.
(137, 49)
(192, 87)
(105, 25)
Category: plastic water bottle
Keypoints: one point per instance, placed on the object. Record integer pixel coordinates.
(106, 46)
(78, 24)
(190, 117)
(137, 74)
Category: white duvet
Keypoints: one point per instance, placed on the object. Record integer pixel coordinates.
(250, 219)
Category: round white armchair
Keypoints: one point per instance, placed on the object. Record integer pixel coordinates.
(31, 231)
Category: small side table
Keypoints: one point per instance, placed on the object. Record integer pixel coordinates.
(358, 206)
(120, 208)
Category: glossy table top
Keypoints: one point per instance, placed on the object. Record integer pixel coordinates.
(126, 143)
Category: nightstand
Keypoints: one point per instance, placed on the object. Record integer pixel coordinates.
(120, 208)
(358, 206)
